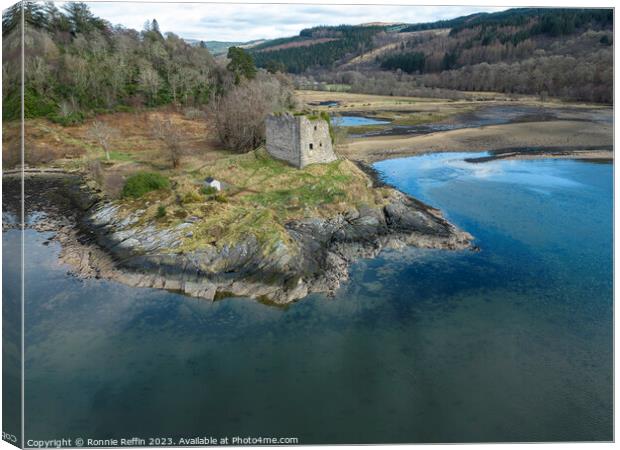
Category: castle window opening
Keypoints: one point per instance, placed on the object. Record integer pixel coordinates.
(315, 128)
(292, 138)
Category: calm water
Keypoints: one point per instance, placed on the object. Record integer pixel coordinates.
(513, 343)
(355, 121)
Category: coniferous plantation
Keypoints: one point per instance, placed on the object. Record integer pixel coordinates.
(380, 230)
(564, 53)
(315, 47)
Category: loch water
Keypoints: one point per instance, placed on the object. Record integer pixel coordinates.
(510, 343)
(355, 121)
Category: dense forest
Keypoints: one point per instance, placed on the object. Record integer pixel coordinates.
(346, 41)
(496, 38)
(563, 53)
(552, 21)
(553, 17)
(76, 62)
(566, 53)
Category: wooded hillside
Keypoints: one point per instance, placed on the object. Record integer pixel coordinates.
(345, 42)
(76, 62)
(564, 52)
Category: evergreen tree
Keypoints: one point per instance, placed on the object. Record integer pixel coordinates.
(407, 62)
(81, 20)
(275, 66)
(241, 64)
(34, 15)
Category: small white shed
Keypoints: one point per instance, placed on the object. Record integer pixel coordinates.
(212, 182)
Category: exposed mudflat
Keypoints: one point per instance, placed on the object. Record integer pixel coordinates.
(496, 115)
(569, 135)
(489, 122)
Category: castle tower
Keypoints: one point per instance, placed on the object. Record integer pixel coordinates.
(299, 140)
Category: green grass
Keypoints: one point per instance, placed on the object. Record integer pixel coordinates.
(208, 190)
(262, 195)
(226, 224)
(120, 156)
(304, 190)
(317, 192)
(142, 182)
(261, 162)
(161, 212)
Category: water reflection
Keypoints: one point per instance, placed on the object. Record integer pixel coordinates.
(354, 121)
(509, 344)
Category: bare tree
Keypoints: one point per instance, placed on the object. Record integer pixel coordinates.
(240, 114)
(338, 133)
(169, 134)
(103, 134)
(149, 82)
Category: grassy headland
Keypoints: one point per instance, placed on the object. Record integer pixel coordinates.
(261, 194)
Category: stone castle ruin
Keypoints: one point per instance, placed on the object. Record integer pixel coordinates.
(299, 140)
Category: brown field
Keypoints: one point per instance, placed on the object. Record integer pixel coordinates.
(261, 194)
(353, 102)
(133, 149)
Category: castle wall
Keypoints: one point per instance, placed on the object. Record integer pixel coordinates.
(298, 140)
(315, 132)
(282, 133)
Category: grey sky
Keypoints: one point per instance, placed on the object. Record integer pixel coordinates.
(244, 22)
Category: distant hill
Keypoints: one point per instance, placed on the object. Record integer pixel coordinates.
(221, 47)
(573, 18)
(566, 52)
(505, 37)
(321, 46)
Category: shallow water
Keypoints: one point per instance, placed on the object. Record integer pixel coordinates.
(354, 121)
(512, 343)
(496, 115)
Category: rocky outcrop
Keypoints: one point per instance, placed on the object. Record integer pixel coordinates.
(113, 244)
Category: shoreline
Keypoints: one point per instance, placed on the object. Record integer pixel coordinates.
(603, 156)
(105, 239)
(565, 138)
(97, 243)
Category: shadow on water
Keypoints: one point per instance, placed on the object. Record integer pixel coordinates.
(513, 343)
